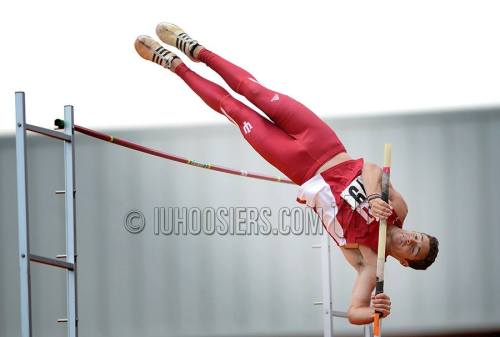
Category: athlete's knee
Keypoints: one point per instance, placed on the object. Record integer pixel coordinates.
(232, 108)
(241, 115)
(250, 87)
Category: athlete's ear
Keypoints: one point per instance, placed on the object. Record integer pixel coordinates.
(404, 262)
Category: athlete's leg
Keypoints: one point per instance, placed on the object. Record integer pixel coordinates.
(277, 147)
(290, 115)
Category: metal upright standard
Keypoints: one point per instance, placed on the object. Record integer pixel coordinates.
(327, 303)
(25, 256)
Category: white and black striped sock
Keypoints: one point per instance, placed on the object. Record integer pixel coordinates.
(185, 43)
(164, 57)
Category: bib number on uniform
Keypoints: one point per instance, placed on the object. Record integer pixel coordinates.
(355, 196)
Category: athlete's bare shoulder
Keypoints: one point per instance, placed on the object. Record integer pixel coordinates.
(369, 256)
(360, 257)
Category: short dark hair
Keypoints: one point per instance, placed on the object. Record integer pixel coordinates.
(431, 256)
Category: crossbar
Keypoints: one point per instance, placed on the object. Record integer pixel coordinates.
(52, 262)
(336, 313)
(48, 132)
(158, 153)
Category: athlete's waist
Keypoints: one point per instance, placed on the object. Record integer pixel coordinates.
(333, 161)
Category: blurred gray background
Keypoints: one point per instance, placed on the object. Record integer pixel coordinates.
(444, 163)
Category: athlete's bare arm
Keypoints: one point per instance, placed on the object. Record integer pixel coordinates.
(365, 263)
(372, 176)
(398, 203)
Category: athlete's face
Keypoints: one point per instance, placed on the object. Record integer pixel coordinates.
(409, 246)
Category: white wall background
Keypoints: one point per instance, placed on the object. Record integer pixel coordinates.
(338, 57)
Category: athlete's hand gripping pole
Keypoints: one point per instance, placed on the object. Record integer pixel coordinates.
(377, 331)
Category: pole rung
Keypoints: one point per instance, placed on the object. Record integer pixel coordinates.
(63, 320)
(316, 245)
(52, 262)
(336, 313)
(317, 303)
(48, 132)
(63, 191)
(63, 256)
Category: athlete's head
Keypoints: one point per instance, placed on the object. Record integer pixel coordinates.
(413, 249)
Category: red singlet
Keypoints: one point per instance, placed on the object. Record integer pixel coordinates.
(339, 198)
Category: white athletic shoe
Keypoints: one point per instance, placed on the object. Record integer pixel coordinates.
(174, 36)
(152, 51)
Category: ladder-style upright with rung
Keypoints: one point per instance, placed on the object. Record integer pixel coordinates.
(25, 256)
(327, 303)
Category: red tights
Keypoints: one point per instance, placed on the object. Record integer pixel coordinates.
(294, 140)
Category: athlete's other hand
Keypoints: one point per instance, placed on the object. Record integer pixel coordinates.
(380, 209)
(382, 304)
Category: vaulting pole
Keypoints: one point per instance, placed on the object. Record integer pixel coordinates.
(382, 231)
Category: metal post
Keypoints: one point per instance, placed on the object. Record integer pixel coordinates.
(71, 276)
(22, 216)
(327, 303)
(368, 329)
(23, 219)
(327, 286)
